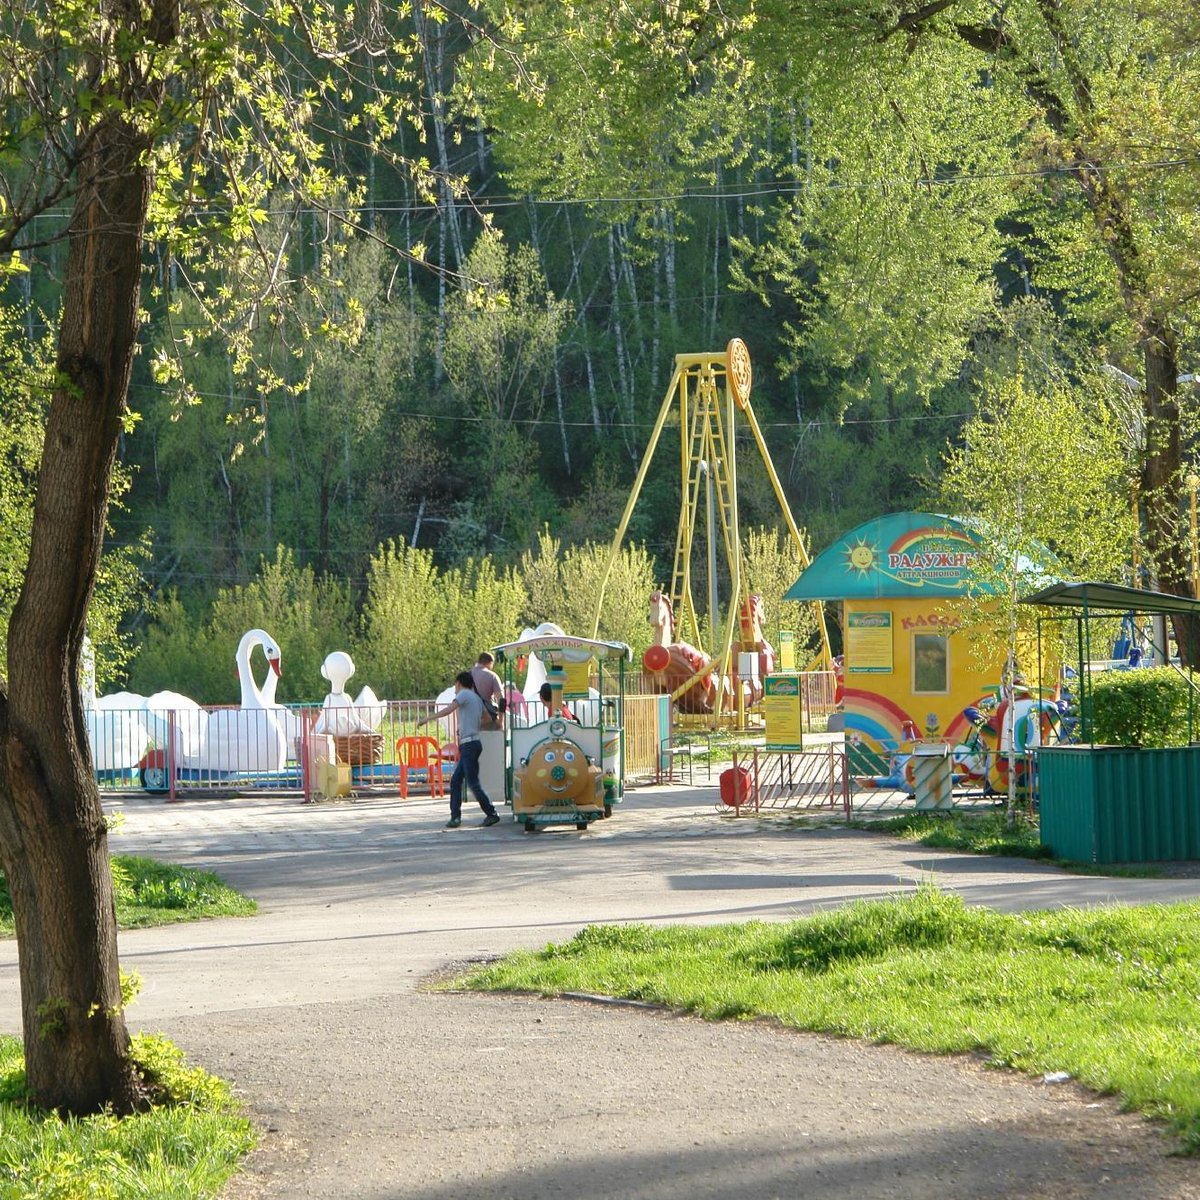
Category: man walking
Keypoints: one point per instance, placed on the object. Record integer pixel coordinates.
(469, 707)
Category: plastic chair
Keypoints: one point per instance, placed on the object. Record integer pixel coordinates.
(420, 754)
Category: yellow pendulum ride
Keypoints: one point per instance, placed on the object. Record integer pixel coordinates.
(709, 392)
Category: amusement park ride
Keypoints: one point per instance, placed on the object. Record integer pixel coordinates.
(707, 396)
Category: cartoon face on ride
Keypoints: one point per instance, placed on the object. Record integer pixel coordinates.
(557, 773)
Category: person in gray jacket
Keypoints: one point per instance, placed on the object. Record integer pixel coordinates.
(469, 707)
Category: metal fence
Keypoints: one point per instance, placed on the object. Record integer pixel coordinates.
(221, 750)
(215, 750)
(790, 780)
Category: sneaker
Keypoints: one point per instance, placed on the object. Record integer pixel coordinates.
(492, 819)
(453, 823)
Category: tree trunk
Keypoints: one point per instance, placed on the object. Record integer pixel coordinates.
(52, 833)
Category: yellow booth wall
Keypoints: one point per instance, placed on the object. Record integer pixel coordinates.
(905, 662)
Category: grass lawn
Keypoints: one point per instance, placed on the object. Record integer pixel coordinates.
(154, 893)
(193, 1138)
(977, 833)
(1111, 996)
(187, 1146)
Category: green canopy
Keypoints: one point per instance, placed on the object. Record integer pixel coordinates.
(1112, 597)
(905, 555)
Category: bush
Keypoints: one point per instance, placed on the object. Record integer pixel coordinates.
(562, 586)
(422, 625)
(1141, 707)
(196, 653)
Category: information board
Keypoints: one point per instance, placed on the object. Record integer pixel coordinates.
(783, 711)
(869, 643)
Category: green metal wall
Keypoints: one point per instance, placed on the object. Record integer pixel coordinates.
(1114, 804)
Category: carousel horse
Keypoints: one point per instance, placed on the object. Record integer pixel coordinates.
(672, 663)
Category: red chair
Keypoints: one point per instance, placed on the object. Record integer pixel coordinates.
(420, 754)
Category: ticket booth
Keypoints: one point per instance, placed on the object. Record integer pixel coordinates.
(909, 672)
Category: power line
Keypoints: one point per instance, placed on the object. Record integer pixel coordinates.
(553, 423)
(481, 203)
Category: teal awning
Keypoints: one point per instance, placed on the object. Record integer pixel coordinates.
(1112, 597)
(906, 555)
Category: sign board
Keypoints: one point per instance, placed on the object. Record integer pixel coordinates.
(787, 650)
(869, 643)
(783, 711)
(577, 678)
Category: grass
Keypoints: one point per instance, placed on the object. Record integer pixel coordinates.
(976, 833)
(187, 1146)
(989, 833)
(1111, 996)
(153, 893)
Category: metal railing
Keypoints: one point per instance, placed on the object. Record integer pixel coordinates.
(222, 750)
(794, 780)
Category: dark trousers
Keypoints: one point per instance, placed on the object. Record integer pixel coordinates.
(468, 769)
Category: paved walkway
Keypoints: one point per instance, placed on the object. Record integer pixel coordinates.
(368, 1087)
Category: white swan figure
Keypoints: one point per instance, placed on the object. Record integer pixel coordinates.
(190, 722)
(290, 721)
(117, 733)
(339, 714)
(250, 738)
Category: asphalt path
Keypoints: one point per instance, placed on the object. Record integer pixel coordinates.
(365, 1084)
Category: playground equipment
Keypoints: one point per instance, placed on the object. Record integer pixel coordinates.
(565, 771)
(340, 715)
(227, 744)
(709, 391)
(676, 663)
(998, 730)
(118, 737)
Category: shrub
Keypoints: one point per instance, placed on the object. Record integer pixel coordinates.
(421, 626)
(195, 653)
(1140, 707)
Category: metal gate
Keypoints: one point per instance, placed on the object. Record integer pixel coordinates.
(797, 779)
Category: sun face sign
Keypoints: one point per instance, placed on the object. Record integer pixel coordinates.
(861, 558)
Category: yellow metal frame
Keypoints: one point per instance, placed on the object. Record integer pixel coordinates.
(709, 391)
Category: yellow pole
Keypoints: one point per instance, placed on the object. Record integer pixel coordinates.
(1193, 484)
(633, 497)
(791, 524)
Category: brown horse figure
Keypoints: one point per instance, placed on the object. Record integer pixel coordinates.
(671, 664)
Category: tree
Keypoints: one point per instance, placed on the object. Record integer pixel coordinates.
(1098, 102)
(927, 156)
(183, 115)
(1042, 479)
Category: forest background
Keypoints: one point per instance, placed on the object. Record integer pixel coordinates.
(430, 447)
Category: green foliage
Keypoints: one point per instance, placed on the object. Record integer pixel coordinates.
(22, 405)
(562, 584)
(987, 833)
(25, 369)
(1146, 707)
(1110, 995)
(185, 1147)
(308, 617)
(1041, 477)
(422, 625)
(772, 566)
